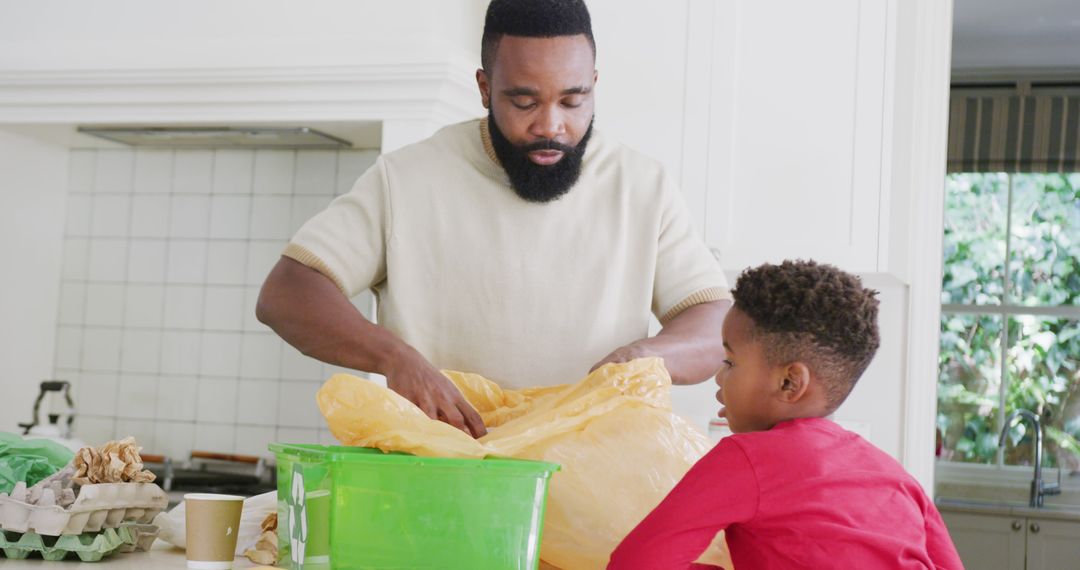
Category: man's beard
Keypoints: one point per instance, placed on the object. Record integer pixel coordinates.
(535, 182)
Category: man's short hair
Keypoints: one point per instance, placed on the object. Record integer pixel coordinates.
(533, 19)
(812, 313)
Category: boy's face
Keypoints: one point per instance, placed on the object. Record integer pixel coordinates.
(748, 384)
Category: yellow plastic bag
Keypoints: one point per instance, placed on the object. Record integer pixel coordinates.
(620, 446)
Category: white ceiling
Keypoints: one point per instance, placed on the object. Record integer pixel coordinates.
(1016, 34)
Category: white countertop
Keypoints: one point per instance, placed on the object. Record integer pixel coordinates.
(162, 556)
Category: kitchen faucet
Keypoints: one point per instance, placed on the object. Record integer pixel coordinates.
(1038, 488)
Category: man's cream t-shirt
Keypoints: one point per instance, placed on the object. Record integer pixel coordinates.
(479, 280)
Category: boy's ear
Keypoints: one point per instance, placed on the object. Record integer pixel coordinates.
(794, 382)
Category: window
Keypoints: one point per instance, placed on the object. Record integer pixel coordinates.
(1010, 317)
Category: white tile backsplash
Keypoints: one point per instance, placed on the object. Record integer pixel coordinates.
(216, 437)
(150, 215)
(297, 435)
(350, 166)
(114, 171)
(136, 397)
(257, 402)
(76, 258)
(251, 440)
(304, 208)
(183, 306)
(262, 256)
(69, 342)
(232, 171)
(72, 303)
(164, 255)
(176, 397)
(223, 309)
(153, 171)
(296, 366)
(260, 356)
(230, 216)
(140, 351)
(226, 262)
(274, 172)
(297, 407)
(95, 393)
(101, 349)
(316, 172)
(174, 439)
(111, 215)
(217, 400)
(220, 354)
(145, 306)
(94, 430)
(180, 352)
(188, 216)
(192, 171)
(108, 259)
(270, 217)
(82, 167)
(77, 219)
(186, 262)
(104, 304)
(146, 260)
(142, 430)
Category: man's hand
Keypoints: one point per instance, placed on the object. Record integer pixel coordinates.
(690, 344)
(419, 382)
(626, 353)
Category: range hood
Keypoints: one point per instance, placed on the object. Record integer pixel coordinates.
(219, 137)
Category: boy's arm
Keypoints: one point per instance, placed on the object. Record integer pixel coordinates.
(719, 490)
(939, 545)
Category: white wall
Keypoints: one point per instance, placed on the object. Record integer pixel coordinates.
(199, 34)
(32, 204)
(165, 252)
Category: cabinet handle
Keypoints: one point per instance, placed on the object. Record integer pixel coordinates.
(1034, 527)
(1017, 525)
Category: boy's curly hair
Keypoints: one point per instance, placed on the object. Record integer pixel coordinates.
(812, 313)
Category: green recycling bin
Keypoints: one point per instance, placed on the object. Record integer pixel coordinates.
(351, 508)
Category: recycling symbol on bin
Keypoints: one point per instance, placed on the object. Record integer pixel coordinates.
(297, 518)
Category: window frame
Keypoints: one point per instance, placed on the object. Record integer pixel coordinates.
(999, 474)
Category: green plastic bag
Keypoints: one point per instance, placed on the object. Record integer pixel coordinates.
(29, 460)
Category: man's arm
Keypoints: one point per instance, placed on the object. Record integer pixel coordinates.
(690, 344)
(307, 310)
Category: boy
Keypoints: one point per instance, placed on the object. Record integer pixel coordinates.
(790, 488)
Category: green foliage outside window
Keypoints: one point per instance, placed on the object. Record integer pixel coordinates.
(1040, 249)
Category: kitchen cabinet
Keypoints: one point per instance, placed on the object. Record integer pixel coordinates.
(799, 130)
(1004, 542)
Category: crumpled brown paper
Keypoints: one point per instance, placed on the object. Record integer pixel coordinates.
(266, 549)
(114, 462)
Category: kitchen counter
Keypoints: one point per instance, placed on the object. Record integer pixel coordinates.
(162, 556)
(1009, 508)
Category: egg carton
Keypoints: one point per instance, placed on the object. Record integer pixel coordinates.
(88, 547)
(100, 506)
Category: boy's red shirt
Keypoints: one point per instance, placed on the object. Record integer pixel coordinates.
(804, 494)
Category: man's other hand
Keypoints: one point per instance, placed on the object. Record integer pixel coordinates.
(626, 353)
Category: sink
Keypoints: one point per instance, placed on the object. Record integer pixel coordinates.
(1010, 508)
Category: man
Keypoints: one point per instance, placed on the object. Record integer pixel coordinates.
(523, 247)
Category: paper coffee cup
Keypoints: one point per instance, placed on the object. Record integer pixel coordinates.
(212, 522)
